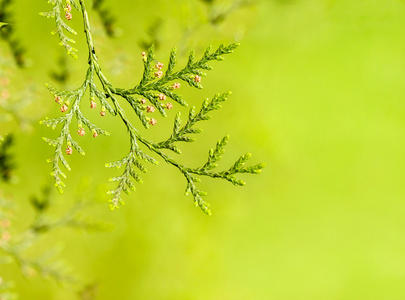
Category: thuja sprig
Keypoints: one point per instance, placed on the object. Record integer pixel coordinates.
(61, 26)
(179, 135)
(71, 101)
(155, 87)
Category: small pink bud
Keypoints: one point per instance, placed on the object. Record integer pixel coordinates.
(4, 81)
(63, 108)
(5, 236)
(57, 99)
(197, 78)
(152, 122)
(143, 101)
(68, 16)
(68, 8)
(5, 94)
(95, 134)
(102, 113)
(159, 66)
(159, 74)
(81, 132)
(93, 104)
(169, 105)
(150, 109)
(5, 224)
(69, 150)
(162, 97)
(144, 56)
(176, 85)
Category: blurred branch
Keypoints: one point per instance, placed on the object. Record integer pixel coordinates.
(154, 32)
(217, 16)
(6, 158)
(62, 73)
(15, 247)
(7, 32)
(106, 17)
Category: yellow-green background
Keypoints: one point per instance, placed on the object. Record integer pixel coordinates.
(318, 94)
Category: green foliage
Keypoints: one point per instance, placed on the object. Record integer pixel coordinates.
(149, 94)
(61, 25)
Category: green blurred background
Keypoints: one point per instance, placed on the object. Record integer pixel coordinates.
(318, 94)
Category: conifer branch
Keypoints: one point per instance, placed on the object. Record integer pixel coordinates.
(150, 94)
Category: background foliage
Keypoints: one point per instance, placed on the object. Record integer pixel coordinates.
(318, 94)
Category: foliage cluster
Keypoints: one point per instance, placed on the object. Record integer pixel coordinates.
(155, 87)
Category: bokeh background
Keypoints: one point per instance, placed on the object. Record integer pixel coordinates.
(318, 94)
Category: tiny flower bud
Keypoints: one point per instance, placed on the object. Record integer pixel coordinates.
(68, 16)
(69, 150)
(143, 101)
(152, 122)
(176, 85)
(68, 8)
(162, 97)
(5, 224)
(5, 94)
(95, 134)
(197, 78)
(150, 109)
(63, 108)
(57, 99)
(144, 57)
(4, 81)
(159, 74)
(159, 66)
(93, 104)
(169, 105)
(81, 132)
(5, 236)
(102, 113)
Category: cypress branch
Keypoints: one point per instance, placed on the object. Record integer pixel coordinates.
(156, 87)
